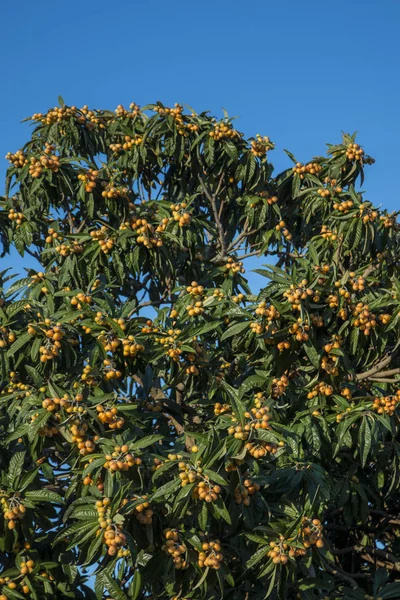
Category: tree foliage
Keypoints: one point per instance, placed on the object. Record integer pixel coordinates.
(166, 433)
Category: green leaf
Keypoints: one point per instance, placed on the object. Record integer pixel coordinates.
(44, 496)
(15, 468)
(203, 517)
(145, 442)
(364, 440)
(167, 489)
(312, 353)
(136, 586)
(21, 341)
(112, 587)
(234, 330)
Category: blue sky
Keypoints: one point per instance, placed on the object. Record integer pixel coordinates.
(300, 72)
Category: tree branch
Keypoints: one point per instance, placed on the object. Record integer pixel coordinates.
(374, 370)
(212, 199)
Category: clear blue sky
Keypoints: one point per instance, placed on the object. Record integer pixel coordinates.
(299, 72)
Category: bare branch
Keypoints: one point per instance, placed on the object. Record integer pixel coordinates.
(221, 233)
(374, 370)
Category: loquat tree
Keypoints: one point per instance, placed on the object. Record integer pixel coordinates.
(165, 433)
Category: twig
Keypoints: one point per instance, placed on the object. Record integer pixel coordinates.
(81, 226)
(388, 373)
(212, 200)
(255, 253)
(34, 254)
(383, 379)
(374, 370)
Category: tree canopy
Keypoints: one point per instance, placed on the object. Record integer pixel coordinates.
(166, 432)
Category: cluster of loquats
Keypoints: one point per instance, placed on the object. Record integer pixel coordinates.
(364, 319)
(16, 217)
(112, 191)
(296, 293)
(106, 243)
(195, 309)
(12, 588)
(6, 337)
(130, 347)
(26, 567)
(334, 344)
(257, 418)
(343, 206)
(174, 547)
(259, 449)
(243, 493)
(55, 115)
(110, 370)
(109, 416)
(175, 112)
(37, 278)
(159, 463)
(367, 214)
(328, 234)
(170, 342)
(122, 112)
(285, 231)
(52, 235)
(261, 145)
(257, 327)
(206, 491)
(220, 409)
(80, 300)
(89, 118)
(66, 249)
(232, 267)
(88, 377)
(12, 507)
(142, 511)
(324, 192)
(387, 221)
(127, 143)
(146, 233)
(329, 364)
(191, 369)
(104, 513)
(211, 555)
(189, 473)
(281, 550)
(121, 459)
(180, 215)
(115, 540)
(300, 330)
(88, 179)
(357, 283)
(178, 117)
(223, 130)
(269, 312)
(16, 386)
(109, 342)
(17, 159)
(386, 404)
(354, 152)
(195, 289)
(85, 445)
(279, 385)
(311, 532)
(312, 168)
(46, 161)
(321, 388)
(239, 298)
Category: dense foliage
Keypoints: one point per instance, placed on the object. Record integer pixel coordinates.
(166, 433)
